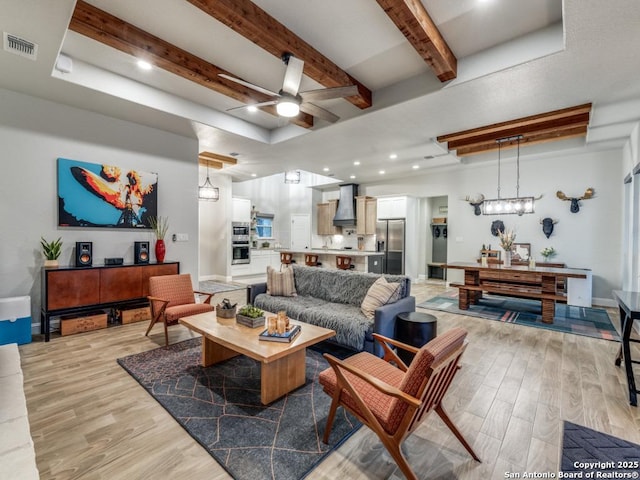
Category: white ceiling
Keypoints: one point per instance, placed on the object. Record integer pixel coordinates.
(515, 58)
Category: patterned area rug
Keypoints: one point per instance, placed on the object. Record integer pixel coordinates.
(219, 406)
(586, 450)
(211, 286)
(591, 322)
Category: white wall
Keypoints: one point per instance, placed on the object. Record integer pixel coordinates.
(33, 134)
(588, 239)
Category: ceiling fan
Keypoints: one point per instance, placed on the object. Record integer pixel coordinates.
(289, 101)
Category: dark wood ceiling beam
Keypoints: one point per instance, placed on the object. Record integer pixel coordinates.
(116, 33)
(541, 128)
(560, 124)
(534, 139)
(220, 158)
(253, 23)
(413, 20)
(207, 162)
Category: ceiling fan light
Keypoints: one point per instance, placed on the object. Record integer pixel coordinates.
(287, 108)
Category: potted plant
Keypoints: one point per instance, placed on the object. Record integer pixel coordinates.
(250, 316)
(159, 225)
(51, 251)
(547, 253)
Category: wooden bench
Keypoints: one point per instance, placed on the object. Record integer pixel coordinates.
(471, 294)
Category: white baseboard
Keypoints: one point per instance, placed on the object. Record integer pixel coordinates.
(215, 278)
(604, 302)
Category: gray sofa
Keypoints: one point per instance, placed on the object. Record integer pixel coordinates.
(332, 299)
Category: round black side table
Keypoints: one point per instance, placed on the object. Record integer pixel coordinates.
(416, 329)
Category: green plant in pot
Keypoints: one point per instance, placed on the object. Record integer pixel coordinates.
(250, 316)
(51, 251)
(160, 225)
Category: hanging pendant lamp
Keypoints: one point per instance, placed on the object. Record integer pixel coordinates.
(207, 191)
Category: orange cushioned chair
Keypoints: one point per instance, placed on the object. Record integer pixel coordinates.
(393, 400)
(172, 297)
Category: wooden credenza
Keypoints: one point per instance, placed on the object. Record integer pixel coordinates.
(69, 290)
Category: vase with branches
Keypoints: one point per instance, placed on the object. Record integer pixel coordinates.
(507, 237)
(160, 226)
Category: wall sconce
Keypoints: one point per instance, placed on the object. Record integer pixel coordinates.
(207, 191)
(292, 176)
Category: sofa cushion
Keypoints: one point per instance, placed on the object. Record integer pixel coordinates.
(294, 306)
(338, 286)
(280, 283)
(348, 321)
(380, 293)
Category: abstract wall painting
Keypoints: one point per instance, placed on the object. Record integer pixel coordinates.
(97, 195)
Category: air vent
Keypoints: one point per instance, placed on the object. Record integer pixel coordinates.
(20, 46)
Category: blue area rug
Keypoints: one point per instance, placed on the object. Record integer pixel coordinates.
(586, 450)
(219, 406)
(591, 322)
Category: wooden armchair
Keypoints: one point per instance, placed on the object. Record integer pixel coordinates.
(393, 400)
(171, 298)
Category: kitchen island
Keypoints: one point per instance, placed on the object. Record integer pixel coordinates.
(327, 256)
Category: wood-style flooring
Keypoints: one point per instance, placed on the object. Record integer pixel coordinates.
(91, 420)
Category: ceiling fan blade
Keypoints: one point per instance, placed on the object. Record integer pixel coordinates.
(293, 75)
(329, 93)
(319, 112)
(250, 85)
(257, 105)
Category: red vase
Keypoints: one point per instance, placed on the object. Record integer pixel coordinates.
(161, 250)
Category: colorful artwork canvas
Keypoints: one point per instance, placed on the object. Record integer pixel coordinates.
(95, 195)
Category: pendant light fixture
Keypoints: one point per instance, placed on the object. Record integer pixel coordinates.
(515, 205)
(207, 191)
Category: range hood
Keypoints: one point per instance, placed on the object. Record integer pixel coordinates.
(346, 213)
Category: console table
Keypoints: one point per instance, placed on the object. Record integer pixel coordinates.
(540, 283)
(629, 304)
(69, 290)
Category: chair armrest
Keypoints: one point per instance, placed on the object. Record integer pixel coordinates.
(378, 384)
(390, 355)
(395, 343)
(153, 301)
(207, 294)
(254, 290)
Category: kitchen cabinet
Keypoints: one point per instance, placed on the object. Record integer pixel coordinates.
(326, 212)
(392, 207)
(366, 215)
(241, 210)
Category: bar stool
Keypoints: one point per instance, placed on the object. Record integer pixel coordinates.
(286, 259)
(311, 260)
(343, 263)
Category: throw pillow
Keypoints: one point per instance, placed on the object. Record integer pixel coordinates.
(380, 293)
(280, 284)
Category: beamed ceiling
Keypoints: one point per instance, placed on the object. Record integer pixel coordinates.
(423, 69)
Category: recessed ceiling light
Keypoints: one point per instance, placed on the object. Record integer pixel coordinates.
(356, 162)
(254, 174)
(252, 108)
(352, 177)
(381, 172)
(144, 65)
(415, 167)
(325, 169)
(393, 156)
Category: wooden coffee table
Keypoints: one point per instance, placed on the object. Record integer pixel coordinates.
(282, 364)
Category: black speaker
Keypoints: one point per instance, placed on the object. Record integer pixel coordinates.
(141, 252)
(84, 254)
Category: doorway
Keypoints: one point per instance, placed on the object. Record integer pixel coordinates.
(300, 231)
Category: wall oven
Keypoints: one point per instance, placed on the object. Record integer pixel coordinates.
(240, 251)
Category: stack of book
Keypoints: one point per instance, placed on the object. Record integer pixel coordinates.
(285, 337)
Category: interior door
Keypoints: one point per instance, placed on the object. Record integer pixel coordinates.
(300, 231)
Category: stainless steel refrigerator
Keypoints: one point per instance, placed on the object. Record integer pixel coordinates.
(390, 241)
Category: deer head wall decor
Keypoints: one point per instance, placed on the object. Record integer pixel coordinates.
(475, 202)
(575, 205)
(547, 226)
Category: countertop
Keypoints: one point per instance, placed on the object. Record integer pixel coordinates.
(328, 251)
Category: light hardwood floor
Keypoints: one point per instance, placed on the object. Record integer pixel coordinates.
(90, 420)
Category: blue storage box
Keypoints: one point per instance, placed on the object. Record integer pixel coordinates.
(15, 320)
